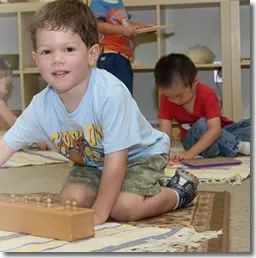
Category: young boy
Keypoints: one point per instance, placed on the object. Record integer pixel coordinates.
(195, 107)
(117, 34)
(89, 116)
(5, 113)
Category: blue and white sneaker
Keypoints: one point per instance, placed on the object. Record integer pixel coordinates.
(185, 184)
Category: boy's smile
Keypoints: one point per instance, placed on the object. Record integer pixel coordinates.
(63, 59)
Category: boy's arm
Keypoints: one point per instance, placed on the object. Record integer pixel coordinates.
(6, 114)
(208, 138)
(140, 25)
(111, 183)
(107, 28)
(166, 127)
(5, 151)
(9, 118)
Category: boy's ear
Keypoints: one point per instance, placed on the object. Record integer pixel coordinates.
(34, 55)
(93, 54)
(196, 79)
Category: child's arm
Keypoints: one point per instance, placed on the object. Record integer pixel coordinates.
(9, 118)
(207, 139)
(140, 25)
(166, 127)
(107, 28)
(5, 113)
(5, 151)
(111, 183)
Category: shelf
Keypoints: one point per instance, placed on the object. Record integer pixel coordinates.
(16, 72)
(246, 63)
(169, 2)
(31, 70)
(19, 7)
(35, 70)
(199, 66)
(211, 66)
(136, 67)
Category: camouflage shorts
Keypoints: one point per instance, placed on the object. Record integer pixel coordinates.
(143, 176)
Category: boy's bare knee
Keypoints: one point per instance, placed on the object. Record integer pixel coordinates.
(83, 196)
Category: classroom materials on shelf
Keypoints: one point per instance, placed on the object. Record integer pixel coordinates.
(154, 28)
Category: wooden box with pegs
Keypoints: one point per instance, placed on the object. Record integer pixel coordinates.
(46, 219)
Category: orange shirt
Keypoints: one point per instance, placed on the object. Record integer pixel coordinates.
(116, 14)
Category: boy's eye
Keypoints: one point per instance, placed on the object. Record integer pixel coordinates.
(70, 49)
(45, 52)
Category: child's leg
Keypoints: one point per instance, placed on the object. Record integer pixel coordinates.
(226, 145)
(194, 134)
(235, 139)
(143, 194)
(242, 130)
(119, 66)
(81, 185)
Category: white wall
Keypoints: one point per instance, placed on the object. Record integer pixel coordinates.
(192, 26)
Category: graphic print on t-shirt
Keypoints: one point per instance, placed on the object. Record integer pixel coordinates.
(80, 148)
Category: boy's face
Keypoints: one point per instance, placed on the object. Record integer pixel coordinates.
(5, 83)
(179, 94)
(63, 59)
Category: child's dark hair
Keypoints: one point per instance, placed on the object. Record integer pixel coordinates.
(5, 68)
(174, 69)
(66, 14)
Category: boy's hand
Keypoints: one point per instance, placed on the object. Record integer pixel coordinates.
(40, 146)
(179, 156)
(98, 220)
(43, 146)
(130, 31)
(143, 25)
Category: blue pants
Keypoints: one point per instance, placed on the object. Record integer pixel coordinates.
(119, 66)
(226, 144)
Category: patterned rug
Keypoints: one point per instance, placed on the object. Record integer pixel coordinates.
(210, 211)
(202, 227)
(31, 157)
(28, 157)
(233, 175)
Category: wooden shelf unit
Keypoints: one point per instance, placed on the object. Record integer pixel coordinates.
(230, 47)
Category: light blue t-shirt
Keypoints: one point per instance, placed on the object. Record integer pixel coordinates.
(106, 120)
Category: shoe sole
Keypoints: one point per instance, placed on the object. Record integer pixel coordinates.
(188, 176)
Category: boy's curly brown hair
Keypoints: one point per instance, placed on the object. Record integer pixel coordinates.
(66, 14)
